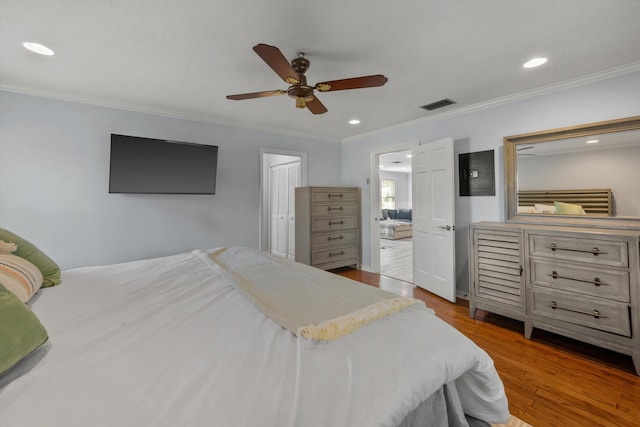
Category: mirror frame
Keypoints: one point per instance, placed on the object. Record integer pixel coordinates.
(510, 143)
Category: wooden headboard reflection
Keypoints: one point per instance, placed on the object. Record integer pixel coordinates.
(596, 202)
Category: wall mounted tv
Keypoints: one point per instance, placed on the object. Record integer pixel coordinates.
(156, 166)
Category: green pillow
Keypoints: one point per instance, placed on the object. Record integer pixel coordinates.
(27, 250)
(568, 208)
(20, 330)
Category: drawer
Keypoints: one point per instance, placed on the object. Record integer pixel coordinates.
(596, 281)
(596, 313)
(347, 237)
(334, 254)
(337, 209)
(338, 223)
(591, 250)
(334, 195)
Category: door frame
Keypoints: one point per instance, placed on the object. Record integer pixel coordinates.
(374, 185)
(264, 210)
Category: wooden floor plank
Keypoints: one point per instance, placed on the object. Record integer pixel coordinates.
(550, 380)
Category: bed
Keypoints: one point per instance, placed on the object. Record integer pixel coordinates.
(594, 202)
(396, 224)
(205, 338)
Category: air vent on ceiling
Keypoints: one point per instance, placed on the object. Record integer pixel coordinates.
(438, 104)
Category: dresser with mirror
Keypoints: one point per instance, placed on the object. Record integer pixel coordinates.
(567, 259)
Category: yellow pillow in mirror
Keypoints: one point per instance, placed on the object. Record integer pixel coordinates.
(568, 209)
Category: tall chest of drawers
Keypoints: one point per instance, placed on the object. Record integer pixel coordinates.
(583, 283)
(328, 226)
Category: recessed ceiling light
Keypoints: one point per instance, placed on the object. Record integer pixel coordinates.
(535, 62)
(381, 166)
(38, 48)
(592, 141)
(409, 156)
(354, 122)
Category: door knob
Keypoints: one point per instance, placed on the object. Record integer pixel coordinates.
(445, 227)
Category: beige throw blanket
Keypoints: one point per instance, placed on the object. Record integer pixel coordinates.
(308, 302)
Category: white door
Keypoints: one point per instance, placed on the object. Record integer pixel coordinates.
(284, 179)
(433, 218)
(293, 181)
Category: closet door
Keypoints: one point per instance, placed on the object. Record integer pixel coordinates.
(293, 181)
(284, 179)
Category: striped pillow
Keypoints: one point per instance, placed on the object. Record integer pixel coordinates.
(19, 276)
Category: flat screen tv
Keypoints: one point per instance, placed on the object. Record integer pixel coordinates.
(156, 166)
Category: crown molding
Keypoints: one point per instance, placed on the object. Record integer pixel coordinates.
(174, 114)
(556, 87)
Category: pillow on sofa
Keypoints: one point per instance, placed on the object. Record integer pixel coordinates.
(20, 330)
(385, 214)
(392, 213)
(404, 214)
(19, 276)
(27, 250)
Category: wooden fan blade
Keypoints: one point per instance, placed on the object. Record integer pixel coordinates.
(264, 94)
(354, 83)
(276, 60)
(316, 107)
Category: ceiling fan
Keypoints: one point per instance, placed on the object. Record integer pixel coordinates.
(293, 74)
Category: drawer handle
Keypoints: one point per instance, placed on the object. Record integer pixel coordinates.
(596, 281)
(335, 238)
(595, 313)
(335, 209)
(335, 195)
(594, 251)
(336, 253)
(336, 222)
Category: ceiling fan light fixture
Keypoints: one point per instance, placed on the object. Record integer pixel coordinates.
(38, 48)
(535, 62)
(354, 122)
(293, 74)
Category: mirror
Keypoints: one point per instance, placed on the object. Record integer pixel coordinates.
(582, 175)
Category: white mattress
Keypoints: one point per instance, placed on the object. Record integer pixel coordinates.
(167, 342)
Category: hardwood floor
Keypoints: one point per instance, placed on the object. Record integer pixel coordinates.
(550, 380)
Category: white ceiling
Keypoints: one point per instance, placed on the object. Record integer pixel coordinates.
(606, 141)
(395, 162)
(182, 57)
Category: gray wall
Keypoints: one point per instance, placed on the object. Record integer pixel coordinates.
(615, 169)
(54, 169)
(482, 130)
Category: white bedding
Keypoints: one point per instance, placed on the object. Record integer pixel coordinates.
(167, 342)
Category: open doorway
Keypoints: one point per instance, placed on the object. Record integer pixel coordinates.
(395, 219)
(281, 173)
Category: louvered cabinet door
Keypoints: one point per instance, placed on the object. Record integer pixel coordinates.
(496, 281)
